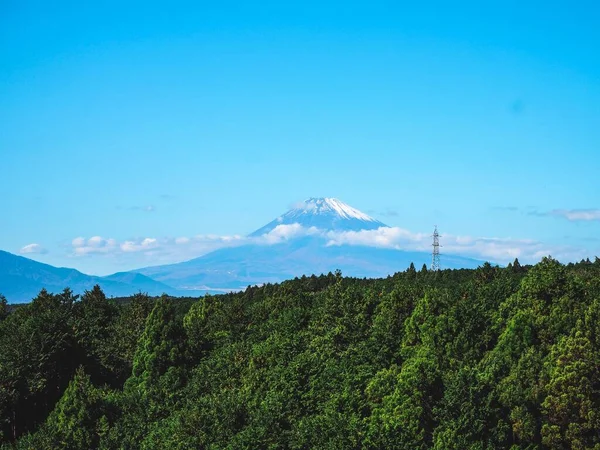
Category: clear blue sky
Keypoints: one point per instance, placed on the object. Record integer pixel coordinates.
(163, 120)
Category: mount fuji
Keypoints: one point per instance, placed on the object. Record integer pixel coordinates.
(294, 244)
(325, 214)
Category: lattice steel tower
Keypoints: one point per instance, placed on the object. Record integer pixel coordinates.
(435, 256)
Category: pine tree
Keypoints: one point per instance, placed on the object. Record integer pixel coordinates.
(516, 266)
(411, 271)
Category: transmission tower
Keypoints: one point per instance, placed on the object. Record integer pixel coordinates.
(435, 256)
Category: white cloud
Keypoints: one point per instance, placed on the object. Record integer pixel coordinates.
(577, 214)
(500, 250)
(78, 242)
(383, 237)
(31, 249)
(169, 250)
(283, 233)
(139, 246)
(157, 250)
(96, 244)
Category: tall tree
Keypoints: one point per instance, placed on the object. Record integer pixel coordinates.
(158, 366)
(572, 405)
(3, 307)
(94, 316)
(125, 332)
(79, 419)
(38, 356)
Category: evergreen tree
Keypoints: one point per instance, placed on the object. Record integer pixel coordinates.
(469, 359)
(124, 334)
(78, 420)
(411, 271)
(516, 266)
(158, 366)
(3, 307)
(572, 405)
(94, 316)
(37, 360)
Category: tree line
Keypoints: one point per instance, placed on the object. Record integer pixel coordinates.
(457, 359)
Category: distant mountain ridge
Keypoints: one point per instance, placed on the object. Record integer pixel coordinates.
(21, 279)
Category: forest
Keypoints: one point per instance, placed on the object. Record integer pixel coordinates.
(491, 358)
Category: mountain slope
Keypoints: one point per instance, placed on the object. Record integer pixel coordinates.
(21, 279)
(238, 267)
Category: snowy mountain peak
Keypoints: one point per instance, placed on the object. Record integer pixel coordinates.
(326, 205)
(324, 213)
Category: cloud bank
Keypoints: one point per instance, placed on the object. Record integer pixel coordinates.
(169, 249)
(500, 250)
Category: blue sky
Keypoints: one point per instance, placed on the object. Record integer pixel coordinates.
(140, 122)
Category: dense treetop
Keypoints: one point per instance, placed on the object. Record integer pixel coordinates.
(458, 359)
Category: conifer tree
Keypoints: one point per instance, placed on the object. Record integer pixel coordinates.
(158, 364)
(74, 423)
(3, 307)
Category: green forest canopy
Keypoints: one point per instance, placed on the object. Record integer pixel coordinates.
(459, 359)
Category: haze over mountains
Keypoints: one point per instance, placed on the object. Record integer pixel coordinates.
(309, 238)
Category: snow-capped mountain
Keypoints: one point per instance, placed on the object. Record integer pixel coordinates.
(325, 214)
(305, 254)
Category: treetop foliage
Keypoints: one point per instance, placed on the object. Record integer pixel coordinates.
(458, 359)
